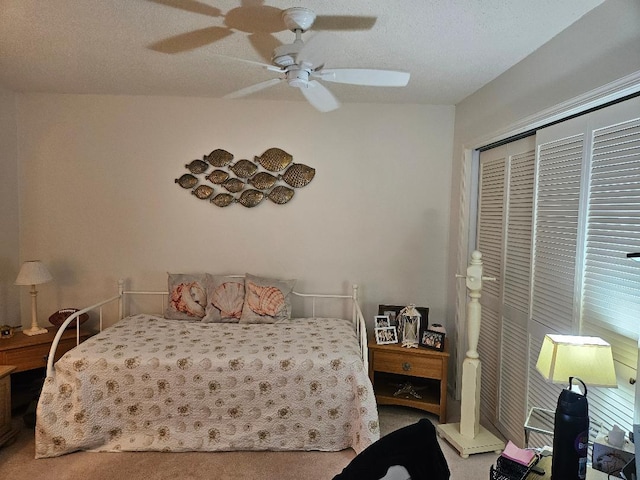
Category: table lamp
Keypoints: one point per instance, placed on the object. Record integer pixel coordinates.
(33, 273)
(588, 360)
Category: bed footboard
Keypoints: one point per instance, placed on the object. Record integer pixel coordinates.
(357, 317)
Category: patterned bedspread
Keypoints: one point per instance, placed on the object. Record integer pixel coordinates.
(148, 383)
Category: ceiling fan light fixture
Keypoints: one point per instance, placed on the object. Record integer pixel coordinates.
(298, 77)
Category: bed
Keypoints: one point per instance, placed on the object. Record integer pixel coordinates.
(150, 383)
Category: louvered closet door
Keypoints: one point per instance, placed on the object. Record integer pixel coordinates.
(611, 284)
(587, 218)
(504, 238)
(556, 248)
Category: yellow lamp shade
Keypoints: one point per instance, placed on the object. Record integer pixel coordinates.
(588, 358)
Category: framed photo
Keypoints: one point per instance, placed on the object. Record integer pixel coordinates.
(382, 321)
(433, 340)
(393, 310)
(385, 335)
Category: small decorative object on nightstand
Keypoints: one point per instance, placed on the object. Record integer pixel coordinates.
(33, 273)
(7, 433)
(409, 318)
(6, 331)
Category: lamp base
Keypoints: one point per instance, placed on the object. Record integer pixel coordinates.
(35, 331)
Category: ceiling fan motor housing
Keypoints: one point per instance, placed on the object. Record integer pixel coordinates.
(298, 18)
(285, 55)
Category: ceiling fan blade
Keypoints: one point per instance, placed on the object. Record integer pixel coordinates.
(191, 40)
(269, 67)
(243, 92)
(343, 22)
(317, 48)
(364, 76)
(320, 97)
(190, 6)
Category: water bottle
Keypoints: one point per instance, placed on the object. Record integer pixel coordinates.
(571, 435)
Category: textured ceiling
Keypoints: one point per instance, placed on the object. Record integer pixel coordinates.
(173, 47)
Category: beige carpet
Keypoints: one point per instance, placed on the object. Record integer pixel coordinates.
(17, 460)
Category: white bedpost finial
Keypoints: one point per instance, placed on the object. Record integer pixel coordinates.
(120, 304)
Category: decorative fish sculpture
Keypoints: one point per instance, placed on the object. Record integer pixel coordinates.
(281, 194)
(251, 198)
(243, 168)
(263, 180)
(202, 191)
(274, 159)
(223, 200)
(219, 158)
(197, 166)
(299, 175)
(187, 181)
(217, 176)
(233, 185)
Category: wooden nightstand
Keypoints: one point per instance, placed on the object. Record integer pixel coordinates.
(7, 433)
(28, 353)
(392, 366)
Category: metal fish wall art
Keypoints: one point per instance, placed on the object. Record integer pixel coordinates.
(243, 168)
(272, 176)
(274, 159)
(219, 158)
(197, 166)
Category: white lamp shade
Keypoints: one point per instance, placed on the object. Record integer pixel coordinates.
(588, 358)
(33, 272)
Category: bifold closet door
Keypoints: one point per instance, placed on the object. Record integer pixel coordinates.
(504, 233)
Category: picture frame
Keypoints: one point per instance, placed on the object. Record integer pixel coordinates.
(386, 335)
(432, 340)
(381, 321)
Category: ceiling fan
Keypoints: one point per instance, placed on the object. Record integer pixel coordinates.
(301, 65)
(251, 17)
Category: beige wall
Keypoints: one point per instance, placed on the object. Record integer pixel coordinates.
(602, 47)
(100, 202)
(9, 249)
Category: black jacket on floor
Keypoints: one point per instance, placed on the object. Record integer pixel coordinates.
(415, 447)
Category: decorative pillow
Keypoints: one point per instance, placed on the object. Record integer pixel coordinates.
(187, 297)
(225, 299)
(267, 300)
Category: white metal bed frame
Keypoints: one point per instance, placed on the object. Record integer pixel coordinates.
(357, 317)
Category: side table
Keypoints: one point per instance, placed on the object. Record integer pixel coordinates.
(413, 377)
(7, 433)
(29, 353)
(541, 420)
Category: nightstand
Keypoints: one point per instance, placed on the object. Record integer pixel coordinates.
(28, 353)
(7, 433)
(413, 377)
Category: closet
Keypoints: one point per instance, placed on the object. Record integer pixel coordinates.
(557, 213)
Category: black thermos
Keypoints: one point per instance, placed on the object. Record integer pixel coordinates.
(571, 435)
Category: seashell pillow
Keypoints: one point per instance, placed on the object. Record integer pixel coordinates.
(225, 299)
(267, 300)
(187, 297)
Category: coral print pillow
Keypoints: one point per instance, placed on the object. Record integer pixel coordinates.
(225, 299)
(266, 300)
(187, 297)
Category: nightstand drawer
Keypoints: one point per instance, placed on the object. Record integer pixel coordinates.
(34, 356)
(405, 364)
